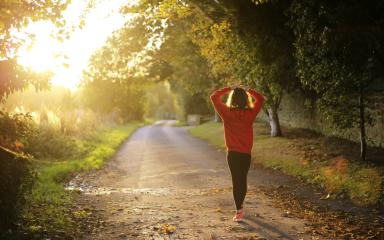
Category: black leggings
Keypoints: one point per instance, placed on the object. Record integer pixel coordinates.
(239, 164)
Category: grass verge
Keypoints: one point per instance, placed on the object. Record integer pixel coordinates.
(180, 123)
(48, 208)
(312, 157)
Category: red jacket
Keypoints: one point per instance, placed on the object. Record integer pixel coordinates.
(238, 130)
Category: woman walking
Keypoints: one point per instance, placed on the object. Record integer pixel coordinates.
(238, 116)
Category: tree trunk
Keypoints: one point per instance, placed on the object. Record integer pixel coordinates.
(363, 140)
(274, 122)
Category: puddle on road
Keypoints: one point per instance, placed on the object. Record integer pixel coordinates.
(91, 190)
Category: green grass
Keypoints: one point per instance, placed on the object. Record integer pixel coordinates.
(180, 123)
(48, 204)
(211, 132)
(361, 183)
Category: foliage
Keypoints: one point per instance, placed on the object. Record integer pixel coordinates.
(339, 55)
(251, 43)
(191, 78)
(15, 130)
(115, 67)
(16, 178)
(43, 125)
(47, 124)
(246, 47)
(49, 142)
(121, 99)
(335, 58)
(20, 133)
(161, 103)
(189, 68)
(195, 103)
(15, 78)
(55, 98)
(57, 109)
(364, 188)
(15, 15)
(177, 60)
(161, 51)
(217, 45)
(224, 51)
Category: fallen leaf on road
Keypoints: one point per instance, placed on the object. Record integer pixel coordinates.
(168, 229)
(218, 210)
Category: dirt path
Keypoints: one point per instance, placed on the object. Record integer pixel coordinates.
(165, 184)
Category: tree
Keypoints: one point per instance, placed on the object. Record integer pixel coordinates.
(18, 14)
(161, 102)
(191, 78)
(251, 44)
(115, 80)
(14, 77)
(15, 15)
(339, 52)
(178, 60)
(243, 42)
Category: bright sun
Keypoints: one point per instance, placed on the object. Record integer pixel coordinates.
(40, 56)
(67, 59)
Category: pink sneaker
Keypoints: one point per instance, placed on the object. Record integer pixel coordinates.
(239, 216)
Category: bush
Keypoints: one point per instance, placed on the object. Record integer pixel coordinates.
(15, 130)
(16, 179)
(51, 143)
(49, 134)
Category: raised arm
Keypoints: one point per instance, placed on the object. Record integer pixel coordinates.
(258, 100)
(216, 96)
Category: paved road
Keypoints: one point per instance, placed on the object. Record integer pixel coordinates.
(165, 184)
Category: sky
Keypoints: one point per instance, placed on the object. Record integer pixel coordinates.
(68, 59)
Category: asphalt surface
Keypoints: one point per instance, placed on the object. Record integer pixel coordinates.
(165, 184)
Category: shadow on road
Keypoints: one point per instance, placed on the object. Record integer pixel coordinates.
(267, 229)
